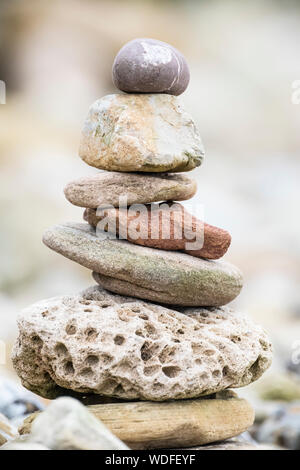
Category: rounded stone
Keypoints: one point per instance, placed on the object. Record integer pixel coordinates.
(161, 276)
(144, 133)
(103, 189)
(105, 344)
(147, 65)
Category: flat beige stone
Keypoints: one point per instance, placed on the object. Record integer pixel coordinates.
(149, 425)
(157, 275)
(111, 188)
(140, 132)
(115, 346)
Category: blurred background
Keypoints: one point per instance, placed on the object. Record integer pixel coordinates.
(56, 58)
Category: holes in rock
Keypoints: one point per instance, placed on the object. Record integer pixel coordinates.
(139, 333)
(180, 331)
(119, 390)
(87, 310)
(69, 368)
(70, 329)
(148, 350)
(204, 376)
(175, 340)
(171, 371)
(91, 334)
(84, 302)
(119, 340)
(157, 386)
(164, 319)
(225, 371)
(136, 309)
(110, 385)
(236, 339)
(92, 360)
(196, 348)
(143, 316)
(37, 340)
(124, 314)
(264, 344)
(198, 362)
(216, 373)
(151, 370)
(209, 352)
(87, 372)
(61, 349)
(151, 330)
(106, 358)
(166, 354)
(44, 313)
(105, 305)
(125, 366)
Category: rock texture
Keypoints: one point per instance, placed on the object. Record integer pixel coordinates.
(164, 226)
(15, 402)
(7, 430)
(160, 276)
(23, 445)
(103, 189)
(282, 427)
(235, 444)
(149, 425)
(67, 425)
(150, 66)
(148, 133)
(106, 344)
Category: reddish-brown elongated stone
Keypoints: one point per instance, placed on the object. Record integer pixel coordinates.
(166, 227)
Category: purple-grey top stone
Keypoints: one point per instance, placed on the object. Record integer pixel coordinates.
(150, 66)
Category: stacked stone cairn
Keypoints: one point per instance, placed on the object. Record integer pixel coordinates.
(151, 349)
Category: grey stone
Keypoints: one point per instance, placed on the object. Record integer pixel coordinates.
(66, 424)
(147, 133)
(161, 276)
(23, 445)
(282, 428)
(150, 66)
(7, 430)
(105, 344)
(15, 401)
(104, 189)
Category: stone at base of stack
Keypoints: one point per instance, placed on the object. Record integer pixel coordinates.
(187, 423)
(115, 346)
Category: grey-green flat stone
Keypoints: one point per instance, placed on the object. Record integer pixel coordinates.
(160, 276)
